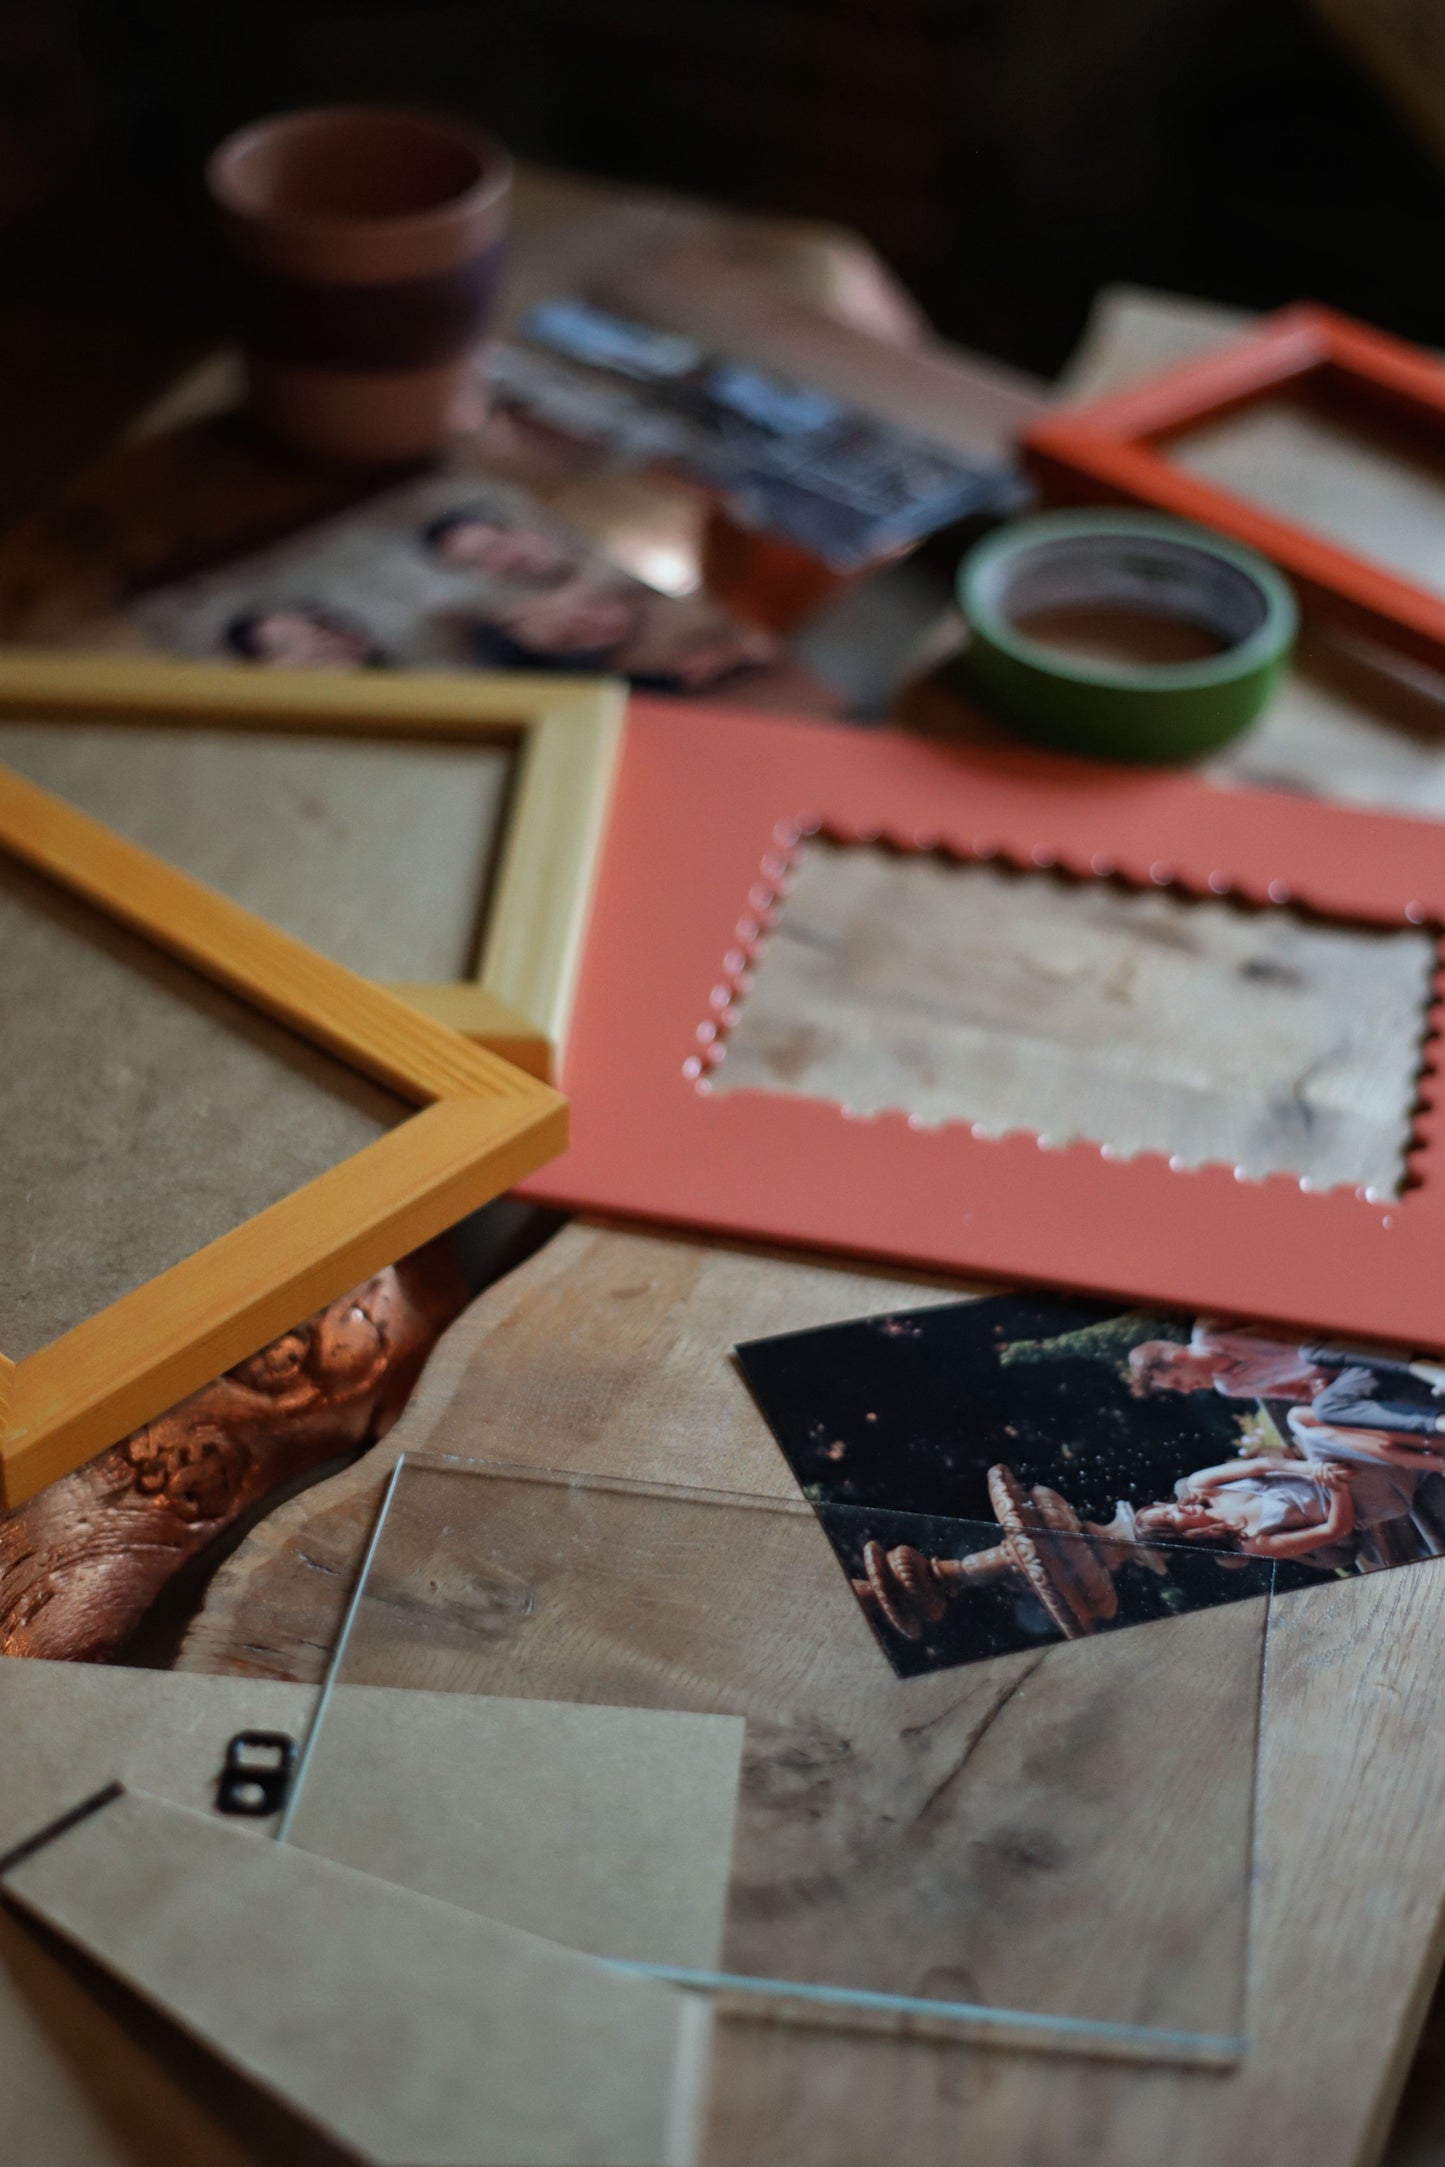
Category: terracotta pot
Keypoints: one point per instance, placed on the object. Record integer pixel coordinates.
(369, 245)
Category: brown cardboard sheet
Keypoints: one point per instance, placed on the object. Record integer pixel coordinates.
(414, 2033)
(610, 1818)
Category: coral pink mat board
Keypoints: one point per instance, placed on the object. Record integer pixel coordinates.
(711, 807)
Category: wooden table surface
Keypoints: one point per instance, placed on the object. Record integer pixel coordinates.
(608, 1354)
(608, 1351)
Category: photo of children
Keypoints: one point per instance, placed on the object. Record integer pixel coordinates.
(451, 573)
(301, 637)
(993, 1474)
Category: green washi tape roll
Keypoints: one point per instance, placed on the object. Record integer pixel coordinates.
(1148, 566)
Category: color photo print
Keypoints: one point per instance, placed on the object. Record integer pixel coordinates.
(1000, 1473)
(450, 573)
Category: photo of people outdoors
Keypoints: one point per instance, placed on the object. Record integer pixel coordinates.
(1001, 1472)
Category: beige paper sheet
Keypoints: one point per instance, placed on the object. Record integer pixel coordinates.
(609, 1829)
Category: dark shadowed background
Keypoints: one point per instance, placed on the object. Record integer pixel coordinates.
(1006, 156)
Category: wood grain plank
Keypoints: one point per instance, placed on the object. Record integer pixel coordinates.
(606, 1353)
(1346, 1940)
(532, 952)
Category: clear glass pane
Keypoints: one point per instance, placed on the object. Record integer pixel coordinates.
(1050, 1842)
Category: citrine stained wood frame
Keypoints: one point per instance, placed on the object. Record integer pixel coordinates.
(483, 1123)
(1108, 449)
(710, 809)
(568, 730)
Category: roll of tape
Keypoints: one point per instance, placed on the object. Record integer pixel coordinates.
(1123, 561)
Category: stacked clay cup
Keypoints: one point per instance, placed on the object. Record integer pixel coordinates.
(368, 246)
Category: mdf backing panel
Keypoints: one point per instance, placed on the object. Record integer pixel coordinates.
(377, 853)
(89, 2079)
(143, 1112)
(410, 2030)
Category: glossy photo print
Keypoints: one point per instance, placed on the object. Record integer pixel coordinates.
(451, 572)
(1001, 1473)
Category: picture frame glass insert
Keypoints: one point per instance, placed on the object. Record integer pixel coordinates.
(1049, 1844)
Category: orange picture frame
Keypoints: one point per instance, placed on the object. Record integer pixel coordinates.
(1112, 450)
(709, 811)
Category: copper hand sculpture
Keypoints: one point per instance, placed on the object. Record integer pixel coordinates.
(81, 1563)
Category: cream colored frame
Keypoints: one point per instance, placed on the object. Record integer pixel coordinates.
(484, 1124)
(569, 731)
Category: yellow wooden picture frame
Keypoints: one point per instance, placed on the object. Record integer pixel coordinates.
(483, 1124)
(569, 734)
